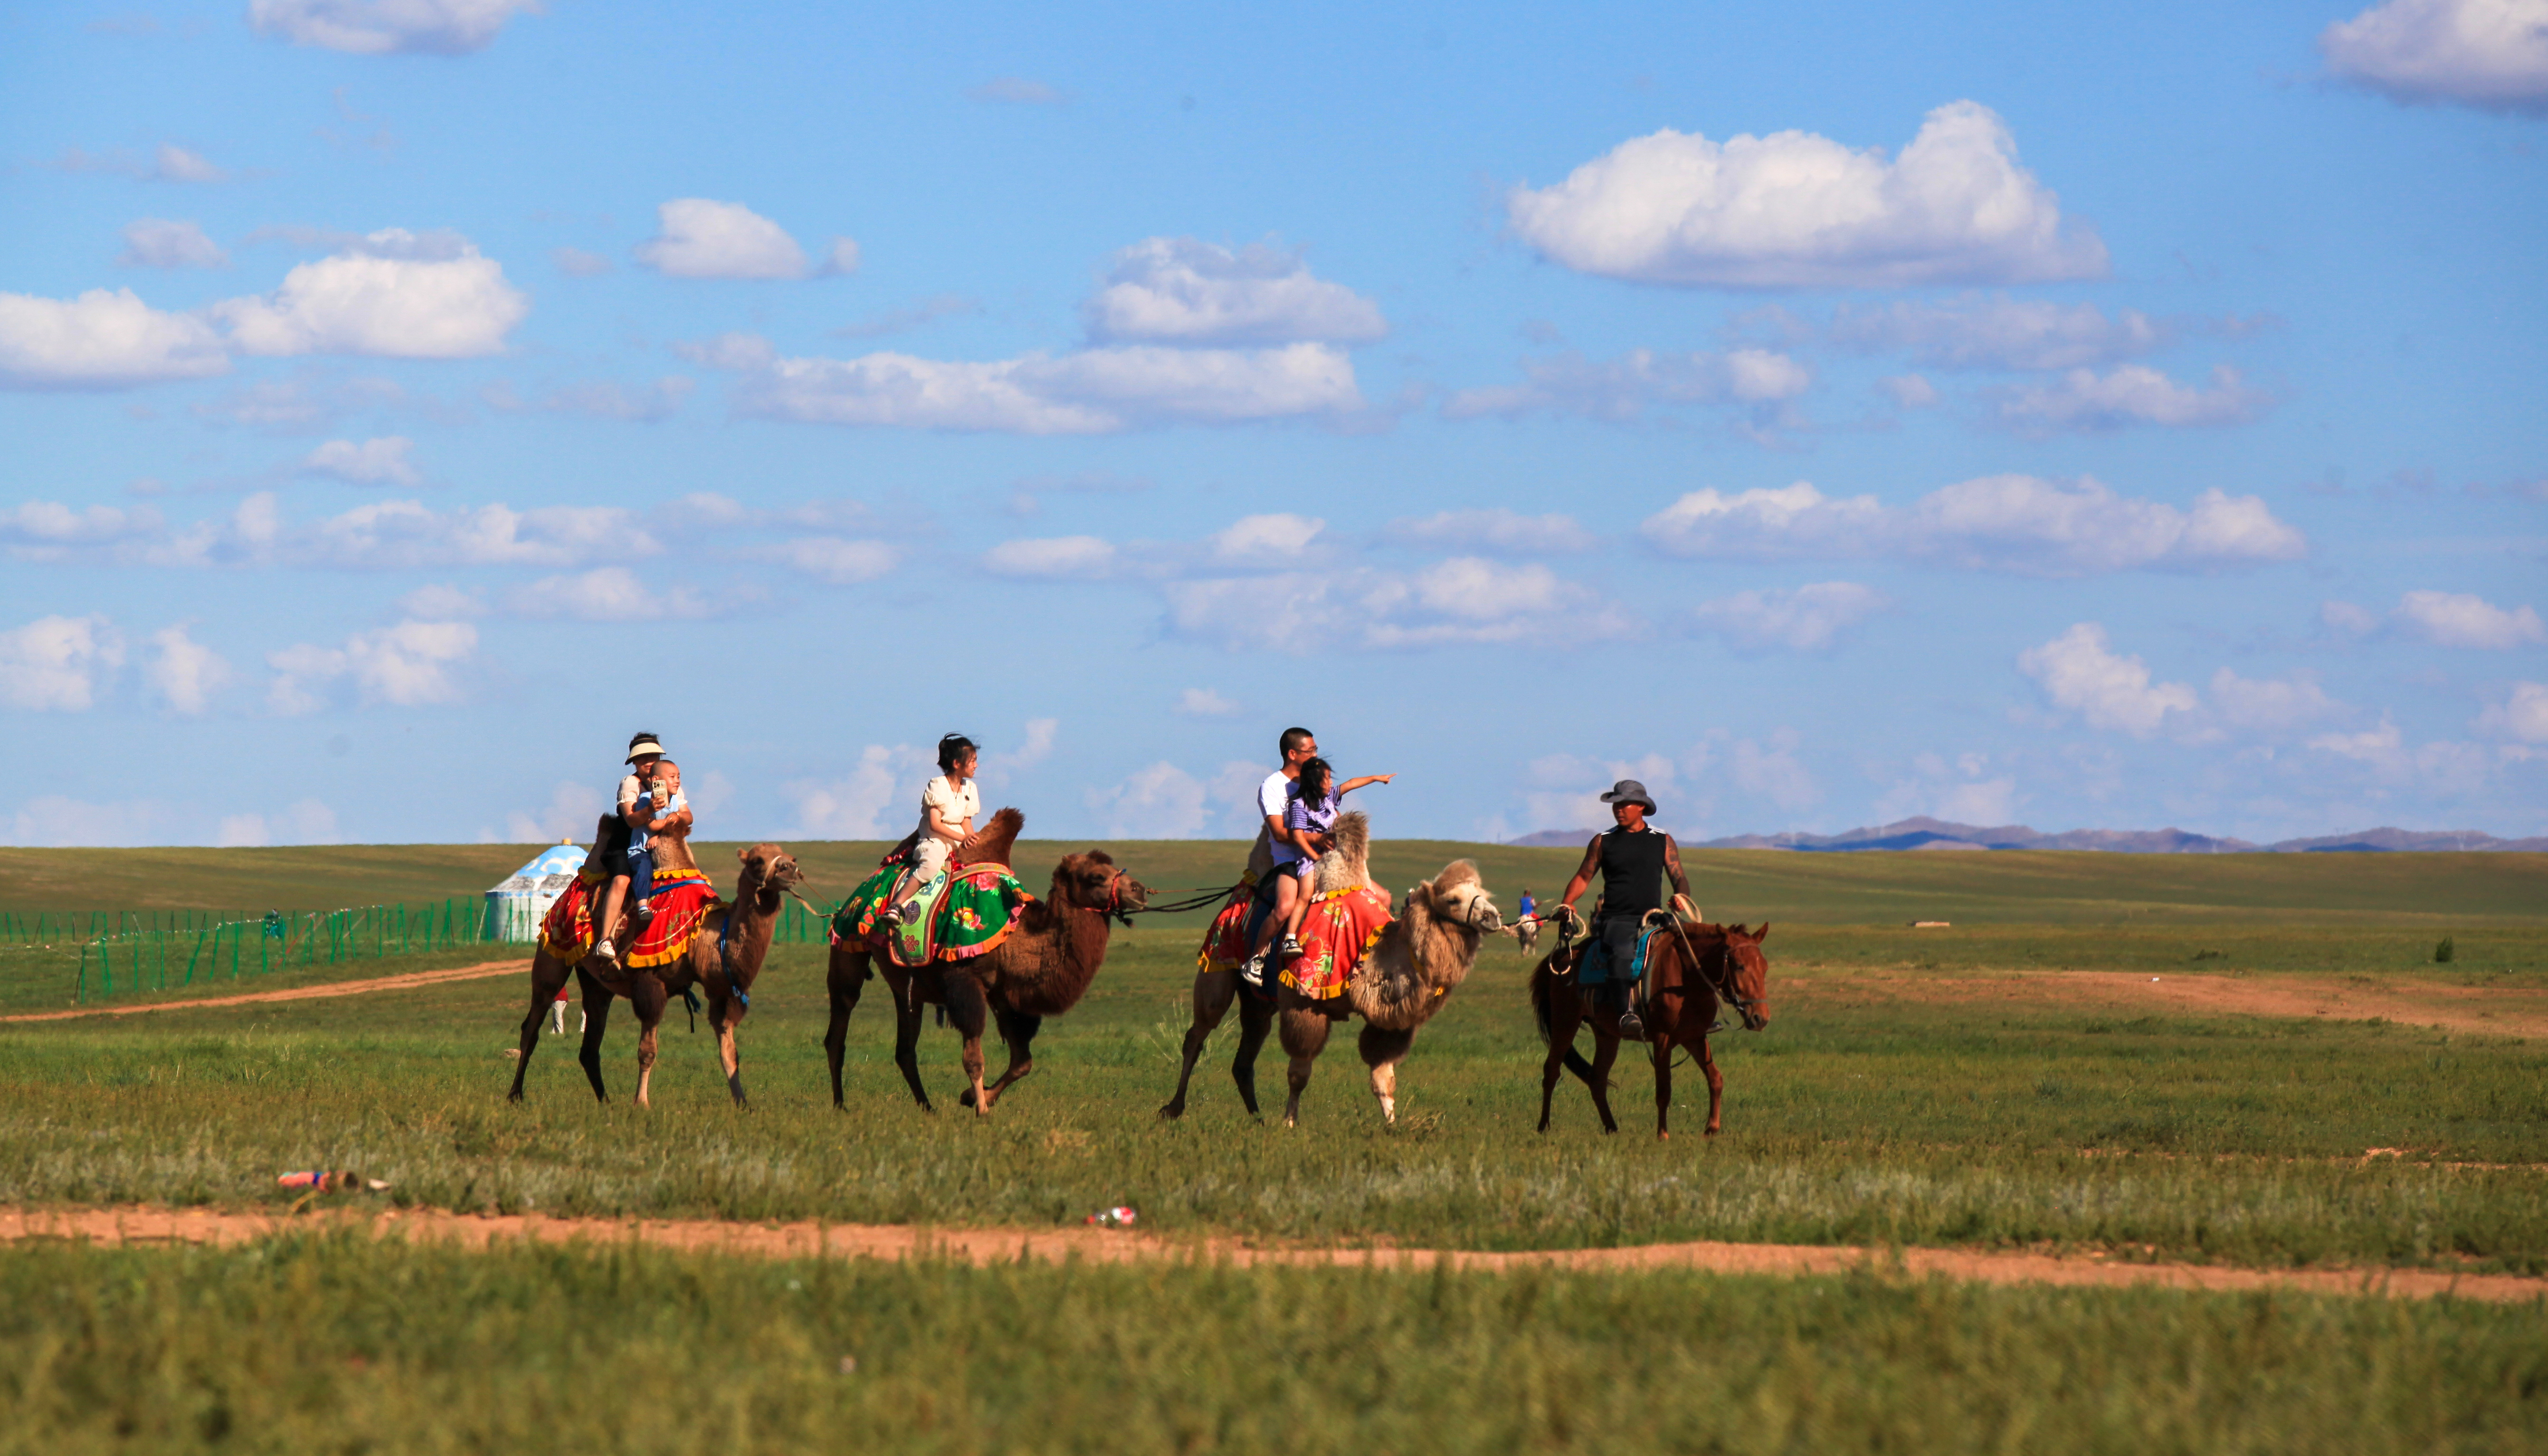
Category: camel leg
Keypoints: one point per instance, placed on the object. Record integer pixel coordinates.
(906, 1031)
(1565, 1018)
(1382, 1051)
(1605, 1051)
(1715, 1087)
(547, 977)
(598, 999)
(969, 1011)
(1017, 1033)
(645, 997)
(846, 980)
(1212, 992)
(1304, 1036)
(1256, 1019)
(730, 1056)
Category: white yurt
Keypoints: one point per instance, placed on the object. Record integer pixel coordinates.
(515, 907)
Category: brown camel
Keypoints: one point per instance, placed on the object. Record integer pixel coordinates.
(1692, 971)
(724, 958)
(1041, 969)
(1403, 979)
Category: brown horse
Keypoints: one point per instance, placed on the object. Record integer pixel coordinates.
(1691, 972)
(724, 958)
(1041, 969)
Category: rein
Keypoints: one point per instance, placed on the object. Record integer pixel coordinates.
(1201, 899)
(1724, 988)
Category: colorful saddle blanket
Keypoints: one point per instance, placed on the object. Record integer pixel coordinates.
(1340, 929)
(681, 902)
(1226, 943)
(966, 911)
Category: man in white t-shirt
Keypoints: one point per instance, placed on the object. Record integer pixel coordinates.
(1298, 746)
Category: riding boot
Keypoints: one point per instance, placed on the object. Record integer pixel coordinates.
(1631, 1027)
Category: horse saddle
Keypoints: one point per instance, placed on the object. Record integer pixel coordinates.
(1618, 951)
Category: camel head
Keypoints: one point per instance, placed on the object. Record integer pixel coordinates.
(1458, 896)
(1749, 973)
(1091, 881)
(767, 869)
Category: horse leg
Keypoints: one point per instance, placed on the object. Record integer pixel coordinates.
(844, 980)
(1663, 1049)
(969, 1011)
(1565, 1018)
(1256, 1019)
(598, 998)
(1304, 1036)
(1212, 992)
(1715, 1087)
(645, 997)
(1605, 1051)
(1017, 1033)
(1382, 1051)
(548, 977)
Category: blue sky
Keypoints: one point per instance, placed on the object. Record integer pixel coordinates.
(1826, 413)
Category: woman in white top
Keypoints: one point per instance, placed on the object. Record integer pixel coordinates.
(948, 807)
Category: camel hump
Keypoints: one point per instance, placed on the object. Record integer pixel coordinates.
(993, 842)
(1347, 861)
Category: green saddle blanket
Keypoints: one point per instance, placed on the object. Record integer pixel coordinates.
(965, 911)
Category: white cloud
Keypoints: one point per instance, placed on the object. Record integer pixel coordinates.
(2487, 54)
(169, 163)
(308, 822)
(407, 666)
(1625, 388)
(1185, 290)
(1092, 392)
(1203, 702)
(388, 27)
(396, 294)
(1053, 558)
(878, 799)
(2522, 716)
(1909, 390)
(699, 238)
(59, 664)
(2349, 618)
(183, 672)
(2000, 333)
(572, 808)
(1465, 600)
(1266, 539)
(2270, 704)
(1809, 618)
(1033, 748)
(1162, 801)
(383, 461)
(2458, 619)
(1773, 772)
(1498, 530)
(2129, 394)
(2014, 522)
(404, 533)
(841, 258)
(101, 340)
(610, 593)
(51, 821)
(156, 242)
(1793, 210)
(2079, 674)
(1019, 91)
(440, 603)
(601, 399)
(838, 560)
(47, 530)
(1955, 793)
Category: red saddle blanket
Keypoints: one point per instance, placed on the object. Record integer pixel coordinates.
(682, 900)
(1225, 946)
(1340, 929)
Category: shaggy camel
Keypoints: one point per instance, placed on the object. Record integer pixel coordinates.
(1692, 973)
(1041, 969)
(724, 958)
(1402, 980)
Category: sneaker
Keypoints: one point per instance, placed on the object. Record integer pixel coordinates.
(644, 914)
(889, 915)
(1291, 949)
(1252, 970)
(605, 950)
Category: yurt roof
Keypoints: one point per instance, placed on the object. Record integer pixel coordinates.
(555, 859)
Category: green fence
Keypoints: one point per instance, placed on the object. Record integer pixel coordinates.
(121, 952)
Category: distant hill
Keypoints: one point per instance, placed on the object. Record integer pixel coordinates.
(1938, 834)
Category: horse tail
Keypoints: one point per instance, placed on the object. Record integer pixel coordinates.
(1539, 991)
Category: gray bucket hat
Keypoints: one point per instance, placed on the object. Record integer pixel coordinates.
(1629, 792)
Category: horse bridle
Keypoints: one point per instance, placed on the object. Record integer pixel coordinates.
(1725, 989)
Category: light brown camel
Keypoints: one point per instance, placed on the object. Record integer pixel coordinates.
(724, 958)
(1041, 969)
(1403, 979)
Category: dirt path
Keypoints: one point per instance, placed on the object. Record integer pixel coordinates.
(135, 1225)
(413, 979)
(2498, 1012)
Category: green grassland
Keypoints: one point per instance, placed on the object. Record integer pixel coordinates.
(340, 1343)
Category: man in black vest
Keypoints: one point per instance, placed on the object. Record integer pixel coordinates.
(1633, 857)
